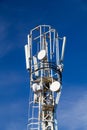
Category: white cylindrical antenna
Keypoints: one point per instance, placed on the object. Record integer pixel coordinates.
(58, 97)
(28, 37)
(63, 48)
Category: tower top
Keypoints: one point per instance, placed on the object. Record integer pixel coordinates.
(44, 60)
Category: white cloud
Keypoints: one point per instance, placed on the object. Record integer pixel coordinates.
(15, 126)
(73, 115)
(13, 115)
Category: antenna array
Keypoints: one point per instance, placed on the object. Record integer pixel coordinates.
(44, 56)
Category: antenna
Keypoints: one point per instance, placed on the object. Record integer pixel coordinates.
(35, 66)
(27, 56)
(45, 68)
(41, 54)
(63, 48)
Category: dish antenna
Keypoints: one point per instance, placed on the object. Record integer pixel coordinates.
(42, 54)
(55, 86)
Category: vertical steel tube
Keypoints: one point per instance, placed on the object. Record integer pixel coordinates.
(51, 52)
(57, 50)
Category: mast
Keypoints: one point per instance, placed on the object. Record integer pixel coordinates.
(44, 61)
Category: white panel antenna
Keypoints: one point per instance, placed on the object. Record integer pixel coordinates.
(35, 66)
(27, 56)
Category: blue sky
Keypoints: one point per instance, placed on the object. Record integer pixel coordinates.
(69, 17)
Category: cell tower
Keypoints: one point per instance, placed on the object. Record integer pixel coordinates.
(44, 56)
